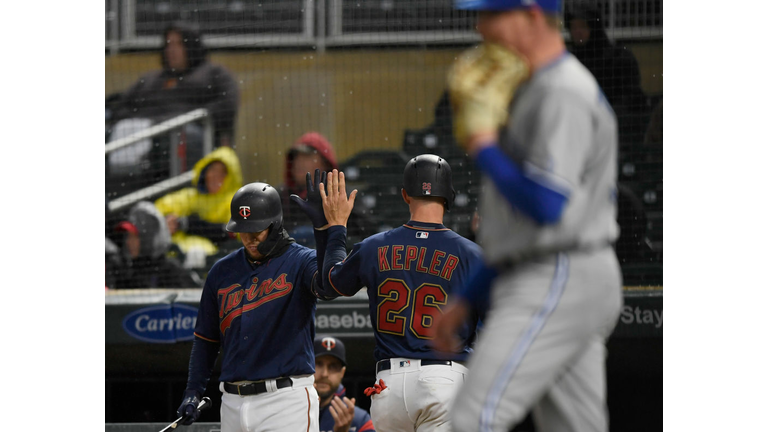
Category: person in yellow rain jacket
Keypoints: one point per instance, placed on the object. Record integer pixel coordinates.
(196, 215)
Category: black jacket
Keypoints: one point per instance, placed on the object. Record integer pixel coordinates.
(163, 94)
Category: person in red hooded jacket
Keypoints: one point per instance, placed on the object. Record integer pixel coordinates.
(309, 152)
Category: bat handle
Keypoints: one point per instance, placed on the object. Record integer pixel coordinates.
(204, 404)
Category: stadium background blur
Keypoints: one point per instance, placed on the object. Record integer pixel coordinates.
(369, 75)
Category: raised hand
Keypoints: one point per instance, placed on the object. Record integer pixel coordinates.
(336, 205)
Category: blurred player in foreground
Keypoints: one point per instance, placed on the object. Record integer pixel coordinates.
(338, 413)
(258, 306)
(409, 273)
(548, 207)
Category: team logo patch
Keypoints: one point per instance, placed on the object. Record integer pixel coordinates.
(245, 211)
(426, 188)
(422, 235)
(328, 343)
(406, 363)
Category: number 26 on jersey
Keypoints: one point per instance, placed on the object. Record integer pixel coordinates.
(402, 307)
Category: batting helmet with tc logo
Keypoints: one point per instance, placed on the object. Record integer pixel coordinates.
(254, 208)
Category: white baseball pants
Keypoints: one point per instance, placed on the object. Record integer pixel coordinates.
(417, 398)
(289, 409)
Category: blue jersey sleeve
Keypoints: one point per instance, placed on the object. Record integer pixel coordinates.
(207, 325)
(201, 361)
(477, 291)
(205, 347)
(340, 272)
(542, 204)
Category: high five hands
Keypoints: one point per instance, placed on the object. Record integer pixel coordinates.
(336, 206)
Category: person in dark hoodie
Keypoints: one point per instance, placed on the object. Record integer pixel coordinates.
(186, 82)
(309, 152)
(615, 68)
(142, 262)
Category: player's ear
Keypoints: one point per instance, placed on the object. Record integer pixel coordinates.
(343, 371)
(406, 198)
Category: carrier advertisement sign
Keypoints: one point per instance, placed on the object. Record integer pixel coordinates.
(162, 324)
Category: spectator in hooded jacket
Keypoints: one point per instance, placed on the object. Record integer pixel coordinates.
(187, 81)
(196, 215)
(141, 259)
(615, 68)
(309, 152)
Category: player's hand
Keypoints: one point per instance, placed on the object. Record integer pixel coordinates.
(313, 205)
(188, 407)
(336, 205)
(445, 327)
(343, 412)
(481, 84)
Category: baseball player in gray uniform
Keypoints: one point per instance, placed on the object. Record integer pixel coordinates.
(548, 209)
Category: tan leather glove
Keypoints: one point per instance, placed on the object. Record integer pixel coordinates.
(481, 84)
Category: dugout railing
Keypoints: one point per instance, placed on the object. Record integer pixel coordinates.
(178, 175)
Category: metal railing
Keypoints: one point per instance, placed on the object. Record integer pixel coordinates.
(317, 24)
(177, 177)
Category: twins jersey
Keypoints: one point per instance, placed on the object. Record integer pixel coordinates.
(409, 272)
(360, 423)
(562, 133)
(262, 314)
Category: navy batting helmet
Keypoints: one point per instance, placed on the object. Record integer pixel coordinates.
(254, 208)
(551, 6)
(429, 175)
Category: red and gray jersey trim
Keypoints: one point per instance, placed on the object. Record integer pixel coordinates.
(330, 280)
(425, 228)
(205, 338)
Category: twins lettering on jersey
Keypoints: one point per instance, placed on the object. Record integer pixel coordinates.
(256, 295)
(400, 257)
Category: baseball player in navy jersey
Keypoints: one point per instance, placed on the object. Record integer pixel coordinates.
(338, 413)
(410, 272)
(541, 131)
(257, 306)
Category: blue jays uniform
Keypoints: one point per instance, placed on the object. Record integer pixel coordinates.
(361, 423)
(262, 315)
(409, 272)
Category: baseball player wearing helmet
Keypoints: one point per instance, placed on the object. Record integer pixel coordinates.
(338, 413)
(257, 306)
(548, 208)
(410, 272)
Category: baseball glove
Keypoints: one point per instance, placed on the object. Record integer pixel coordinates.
(481, 84)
